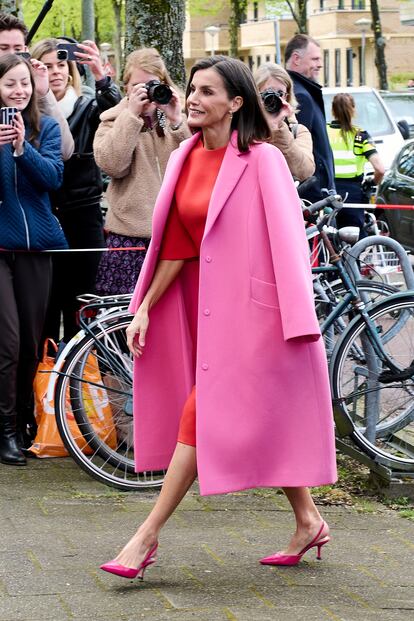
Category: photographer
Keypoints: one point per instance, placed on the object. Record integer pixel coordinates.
(293, 139)
(77, 203)
(132, 145)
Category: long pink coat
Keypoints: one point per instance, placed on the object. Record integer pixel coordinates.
(263, 402)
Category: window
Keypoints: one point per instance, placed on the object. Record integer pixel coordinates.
(337, 67)
(321, 5)
(251, 62)
(349, 67)
(258, 61)
(406, 161)
(255, 11)
(341, 5)
(358, 4)
(267, 58)
(326, 67)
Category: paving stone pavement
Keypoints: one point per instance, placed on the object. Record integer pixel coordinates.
(58, 525)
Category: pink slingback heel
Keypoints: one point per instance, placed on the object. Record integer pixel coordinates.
(293, 559)
(113, 567)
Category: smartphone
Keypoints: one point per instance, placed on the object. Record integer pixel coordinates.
(25, 55)
(66, 51)
(7, 115)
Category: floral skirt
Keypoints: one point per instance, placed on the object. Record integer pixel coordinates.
(118, 270)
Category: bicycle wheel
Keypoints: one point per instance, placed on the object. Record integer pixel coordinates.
(377, 400)
(93, 406)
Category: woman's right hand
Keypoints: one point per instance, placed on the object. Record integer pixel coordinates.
(137, 330)
(138, 99)
(275, 120)
(8, 133)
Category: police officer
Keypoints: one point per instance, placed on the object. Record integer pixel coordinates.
(351, 147)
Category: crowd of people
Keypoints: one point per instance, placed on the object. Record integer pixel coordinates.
(198, 187)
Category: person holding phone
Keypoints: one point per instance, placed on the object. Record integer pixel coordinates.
(13, 34)
(30, 167)
(77, 203)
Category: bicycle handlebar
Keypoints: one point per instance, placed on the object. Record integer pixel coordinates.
(333, 200)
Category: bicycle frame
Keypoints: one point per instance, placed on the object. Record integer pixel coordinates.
(352, 297)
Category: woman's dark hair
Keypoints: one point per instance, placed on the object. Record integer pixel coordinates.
(249, 120)
(343, 110)
(31, 113)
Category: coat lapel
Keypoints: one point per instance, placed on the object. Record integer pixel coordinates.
(230, 172)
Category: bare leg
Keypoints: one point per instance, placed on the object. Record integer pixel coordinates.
(180, 476)
(308, 518)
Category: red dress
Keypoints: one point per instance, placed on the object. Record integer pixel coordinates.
(183, 235)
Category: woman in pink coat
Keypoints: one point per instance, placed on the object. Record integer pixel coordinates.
(224, 303)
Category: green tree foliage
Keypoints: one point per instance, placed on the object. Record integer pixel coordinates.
(65, 18)
(205, 7)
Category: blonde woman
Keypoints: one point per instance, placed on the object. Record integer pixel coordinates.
(77, 204)
(132, 145)
(293, 139)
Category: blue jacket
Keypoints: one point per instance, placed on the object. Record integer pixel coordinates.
(312, 115)
(26, 219)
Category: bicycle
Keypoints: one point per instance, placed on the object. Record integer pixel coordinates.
(372, 366)
(99, 351)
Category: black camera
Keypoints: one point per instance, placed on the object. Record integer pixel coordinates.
(158, 92)
(271, 101)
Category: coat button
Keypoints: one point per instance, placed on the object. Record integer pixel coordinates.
(204, 366)
(206, 312)
(208, 259)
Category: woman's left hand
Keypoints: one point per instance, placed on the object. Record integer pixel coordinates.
(41, 77)
(18, 142)
(172, 109)
(91, 57)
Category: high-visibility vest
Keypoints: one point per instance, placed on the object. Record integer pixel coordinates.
(350, 155)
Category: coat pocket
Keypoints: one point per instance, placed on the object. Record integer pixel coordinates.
(264, 292)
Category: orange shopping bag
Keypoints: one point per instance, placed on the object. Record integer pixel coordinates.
(48, 442)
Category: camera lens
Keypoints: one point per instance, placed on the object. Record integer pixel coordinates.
(62, 54)
(271, 101)
(158, 92)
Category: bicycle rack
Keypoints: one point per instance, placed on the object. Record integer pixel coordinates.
(385, 473)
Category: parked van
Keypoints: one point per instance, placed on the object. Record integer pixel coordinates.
(372, 115)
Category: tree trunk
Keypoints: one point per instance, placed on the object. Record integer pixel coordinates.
(9, 6)
(380, 61)
(237, 13)
(298, 8)
(117, 6)
(159, 24)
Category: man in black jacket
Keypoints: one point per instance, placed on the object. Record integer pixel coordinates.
(303, 61)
